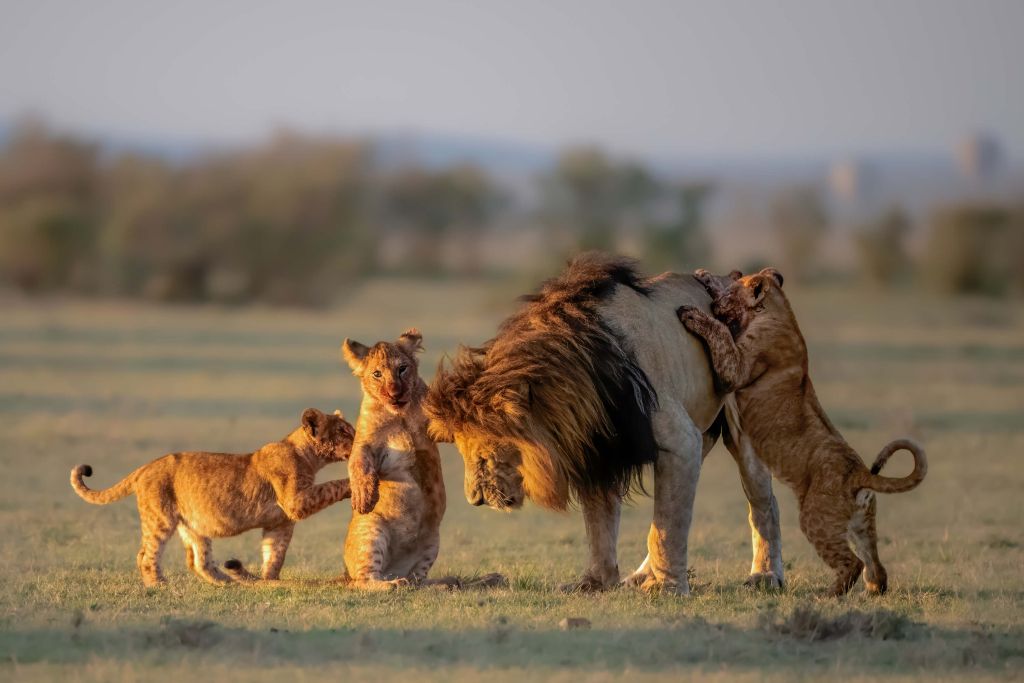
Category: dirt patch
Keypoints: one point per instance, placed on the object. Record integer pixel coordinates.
(808, 623)
(184, 633)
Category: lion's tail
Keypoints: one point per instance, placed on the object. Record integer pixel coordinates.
(104, 496)
(874, 481)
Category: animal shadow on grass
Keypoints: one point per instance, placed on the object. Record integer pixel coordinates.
(811, 638)
(237, 571)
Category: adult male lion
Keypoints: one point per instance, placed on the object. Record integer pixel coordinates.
(589, 381)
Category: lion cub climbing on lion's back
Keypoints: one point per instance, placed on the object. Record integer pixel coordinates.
(216, 495)
(757, 350)
(398, 496)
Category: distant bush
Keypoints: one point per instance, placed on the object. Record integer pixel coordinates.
(976, 248)
(48, 210)
(881, 248)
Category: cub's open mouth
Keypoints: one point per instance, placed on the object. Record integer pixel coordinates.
(399, 404)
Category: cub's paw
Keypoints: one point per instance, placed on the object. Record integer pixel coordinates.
(764, 581)
(704, 277)
(691, 316)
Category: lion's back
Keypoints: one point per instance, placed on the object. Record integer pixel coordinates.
(674, 360)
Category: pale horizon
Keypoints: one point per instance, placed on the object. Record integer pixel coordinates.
(655, 79)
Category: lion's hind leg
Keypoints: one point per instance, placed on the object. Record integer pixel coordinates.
(158, 522)
(826, 529)
(864, 541)
(202, 559)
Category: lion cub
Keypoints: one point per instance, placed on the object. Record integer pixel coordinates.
(216, 495)
(398, 496)
(757, 350)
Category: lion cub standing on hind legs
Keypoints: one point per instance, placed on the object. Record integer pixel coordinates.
(757, 351)
(217, 495)
(398, 496)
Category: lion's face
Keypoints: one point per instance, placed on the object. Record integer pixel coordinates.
(388, 371)
(744, 299)
(332, 434)
(492, 473)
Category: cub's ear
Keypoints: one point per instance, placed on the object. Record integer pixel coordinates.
(411, 341)
(355, 354)
(312, 419)
(774, 274)
(760, 285)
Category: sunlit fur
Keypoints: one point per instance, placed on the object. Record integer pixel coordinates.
(398, 496)
(557, 388)
(216, 495)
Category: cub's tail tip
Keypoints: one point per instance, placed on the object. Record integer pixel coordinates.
(233, 565)
(85, 470)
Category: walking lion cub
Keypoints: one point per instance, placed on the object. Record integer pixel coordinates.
(217, 495)
(757, 350)
(398, 496)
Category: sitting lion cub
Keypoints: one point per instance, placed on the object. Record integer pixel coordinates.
(398, 496)
(216, 495)
(757, 350)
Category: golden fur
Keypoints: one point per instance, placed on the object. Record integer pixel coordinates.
(544, 385)
(758, 351)
(398, 496)
(590, 381)
(216, 495)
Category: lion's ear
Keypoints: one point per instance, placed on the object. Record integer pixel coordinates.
(312, 419)
(759, 285)
(514, 402)
(773, 274)
(411, 341)
(355, 354)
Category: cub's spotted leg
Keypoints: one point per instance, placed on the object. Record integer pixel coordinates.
(732, 367)
(309, 501)
(202, 563)
(419, 571)
(864, 540)
(156, 531)
(828, 536)
(368, 541)
(274, 547)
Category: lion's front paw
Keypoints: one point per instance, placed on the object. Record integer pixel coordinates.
(587, 584)
(765, 581)
(655, 586)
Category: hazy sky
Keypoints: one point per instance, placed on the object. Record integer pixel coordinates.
(731, 78)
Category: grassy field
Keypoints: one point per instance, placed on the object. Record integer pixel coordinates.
(115, 385)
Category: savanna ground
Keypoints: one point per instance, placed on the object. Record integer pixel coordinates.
(115, 385)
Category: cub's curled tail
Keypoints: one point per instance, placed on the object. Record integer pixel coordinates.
(874, 481)
(116, 492)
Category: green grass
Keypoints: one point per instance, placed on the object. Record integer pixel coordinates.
(115, 384)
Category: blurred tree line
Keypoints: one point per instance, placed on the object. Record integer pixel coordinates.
(294, 218)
